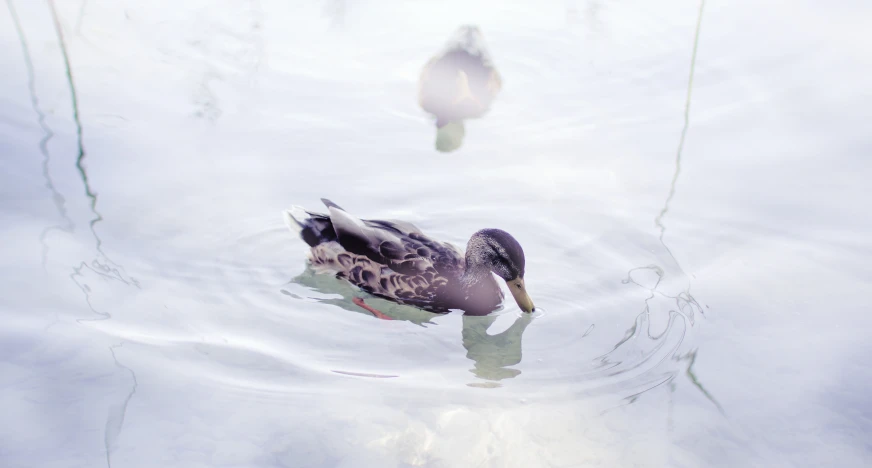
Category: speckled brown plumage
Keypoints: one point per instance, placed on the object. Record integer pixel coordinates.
(394, 260)
(419, 289)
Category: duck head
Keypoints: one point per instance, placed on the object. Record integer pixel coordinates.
(495, 250)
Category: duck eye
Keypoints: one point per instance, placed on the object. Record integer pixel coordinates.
(518, 285)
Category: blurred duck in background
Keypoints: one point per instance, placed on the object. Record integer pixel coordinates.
(457, 84)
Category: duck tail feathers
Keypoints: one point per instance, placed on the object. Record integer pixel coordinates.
(313, 228)
(330, 204)
(296, 218)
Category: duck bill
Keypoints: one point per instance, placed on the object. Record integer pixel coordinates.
(519, 292)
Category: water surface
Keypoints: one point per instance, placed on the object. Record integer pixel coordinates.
(688, 182)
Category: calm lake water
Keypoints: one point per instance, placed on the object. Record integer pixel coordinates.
(693, 213)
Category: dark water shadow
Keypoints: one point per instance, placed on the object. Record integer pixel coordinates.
(492, 355)
(458, 84)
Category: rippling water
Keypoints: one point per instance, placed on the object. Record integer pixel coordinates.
(688, 182)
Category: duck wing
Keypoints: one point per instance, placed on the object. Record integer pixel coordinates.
(399, 245)
(359, 238)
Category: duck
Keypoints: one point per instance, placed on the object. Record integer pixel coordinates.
(459, 83)
(394, 260)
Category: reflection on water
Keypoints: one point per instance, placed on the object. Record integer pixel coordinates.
(651, 276)
(493, 354)
(659, 220)
(102, 265)
(117, 412)
(459, 83)
(330, 290)
(642, 334)
(57, 199)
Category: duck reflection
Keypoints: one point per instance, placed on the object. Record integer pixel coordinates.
(342, 294)
(459, 83)
(492, 355)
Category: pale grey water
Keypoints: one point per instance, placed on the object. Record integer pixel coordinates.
(702, 258)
